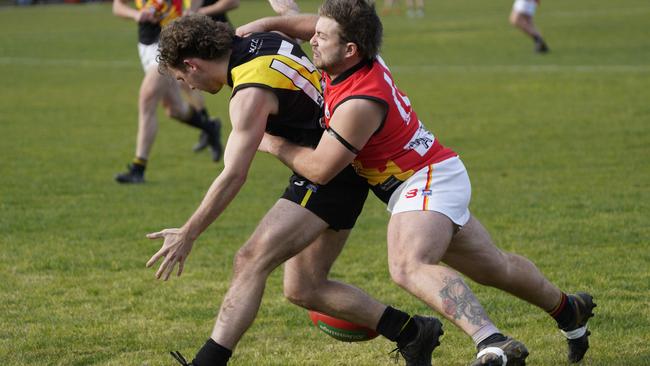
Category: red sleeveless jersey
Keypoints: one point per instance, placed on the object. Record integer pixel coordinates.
(402, 145)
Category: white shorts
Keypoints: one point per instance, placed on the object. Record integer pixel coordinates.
(442, 187)
(148, 54)
(527, 7)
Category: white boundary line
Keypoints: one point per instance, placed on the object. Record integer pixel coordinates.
(109, 64)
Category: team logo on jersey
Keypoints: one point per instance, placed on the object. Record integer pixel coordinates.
(256, 44)
(427, 192)
(421, 141)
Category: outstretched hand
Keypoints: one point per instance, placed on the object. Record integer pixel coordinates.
(175, 249)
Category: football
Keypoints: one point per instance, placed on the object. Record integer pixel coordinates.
(340, 329)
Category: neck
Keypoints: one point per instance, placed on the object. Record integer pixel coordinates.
(350, 70)
(342, 67)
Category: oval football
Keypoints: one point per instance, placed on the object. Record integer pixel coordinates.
(340, 329)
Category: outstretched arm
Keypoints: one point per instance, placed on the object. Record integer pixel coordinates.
(301, 26)
(353, 121)
(249, 110)
(121, 9)
(220, 7)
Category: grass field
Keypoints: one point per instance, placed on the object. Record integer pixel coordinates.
(557, 147)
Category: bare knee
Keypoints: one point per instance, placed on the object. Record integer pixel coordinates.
(403, 272)
(301, 293)
(249, 261)
(176, 111)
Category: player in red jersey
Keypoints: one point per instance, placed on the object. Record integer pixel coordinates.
(372, 124)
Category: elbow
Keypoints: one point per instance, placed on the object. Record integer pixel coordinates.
(234, 4)
(234, 177)
(321, 178)
(238, 178)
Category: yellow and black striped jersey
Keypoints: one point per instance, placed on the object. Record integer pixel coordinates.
(271, 61)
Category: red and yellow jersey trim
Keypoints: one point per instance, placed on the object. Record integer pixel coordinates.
(167, 10)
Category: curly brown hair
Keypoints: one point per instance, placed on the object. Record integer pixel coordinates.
(194, 35)
(359, 24)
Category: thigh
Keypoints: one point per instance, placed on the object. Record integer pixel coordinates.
(418, 237)
(313, 264)
(154, 85)
(171, 97)
(472, 251)
(283, 232)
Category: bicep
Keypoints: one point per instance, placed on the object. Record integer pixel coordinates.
(249, 111)
(350, 128)
(355, 121)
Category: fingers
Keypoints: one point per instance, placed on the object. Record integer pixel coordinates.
(164, 266)
(156, 256)
(156, 235)
(181, 266)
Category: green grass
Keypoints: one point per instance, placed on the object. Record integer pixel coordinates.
(557, 147)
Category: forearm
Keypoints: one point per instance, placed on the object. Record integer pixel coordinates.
(220, 7)
(301, 26)
(222, 191)
(124, 11)
(301, 160)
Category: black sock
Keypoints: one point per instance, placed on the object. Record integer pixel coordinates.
(496, 337)
(138, 164)
(212, 354)
(397, 326)
(200, 120)
(563, 313)
(204, 113)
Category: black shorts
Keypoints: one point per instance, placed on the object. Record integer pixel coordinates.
(338, 202)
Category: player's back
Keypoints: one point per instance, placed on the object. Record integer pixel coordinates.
(273, 62)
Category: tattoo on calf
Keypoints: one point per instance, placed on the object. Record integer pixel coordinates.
(459, 301)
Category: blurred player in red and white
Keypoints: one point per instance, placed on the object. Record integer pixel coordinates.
(151, 16)
(522, 18)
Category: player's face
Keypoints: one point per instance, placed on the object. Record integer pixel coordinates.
(327, 46)
(197, 78)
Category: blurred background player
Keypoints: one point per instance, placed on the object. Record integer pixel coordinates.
(414, 8)
(522, 18)
(151, 16)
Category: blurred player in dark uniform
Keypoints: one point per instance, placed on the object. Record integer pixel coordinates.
(275, 89)
(151, 16)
